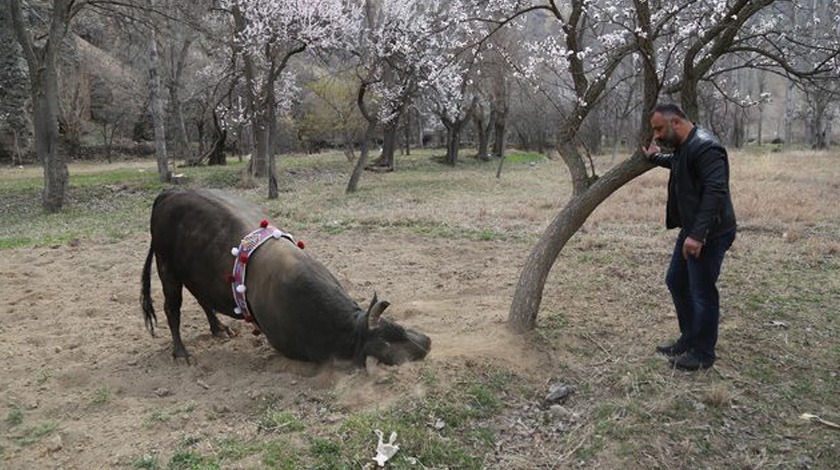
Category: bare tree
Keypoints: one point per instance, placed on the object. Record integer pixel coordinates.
(40, 42)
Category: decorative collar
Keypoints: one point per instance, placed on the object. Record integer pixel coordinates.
(242, 254)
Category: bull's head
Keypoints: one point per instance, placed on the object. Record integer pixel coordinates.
(389, 342)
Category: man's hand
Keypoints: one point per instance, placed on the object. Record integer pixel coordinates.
(691, 247)
(652, 149)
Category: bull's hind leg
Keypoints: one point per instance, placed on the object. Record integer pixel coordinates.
(173, 298)
(217, 328)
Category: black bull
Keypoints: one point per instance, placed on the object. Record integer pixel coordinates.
(295, 301)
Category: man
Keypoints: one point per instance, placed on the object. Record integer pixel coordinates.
(700, 205)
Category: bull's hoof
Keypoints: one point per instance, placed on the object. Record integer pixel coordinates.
(223, 332)
(181, 353)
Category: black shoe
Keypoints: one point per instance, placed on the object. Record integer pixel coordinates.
(674, 349)
(690, 361)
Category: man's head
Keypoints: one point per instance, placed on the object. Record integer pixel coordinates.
(670, 125)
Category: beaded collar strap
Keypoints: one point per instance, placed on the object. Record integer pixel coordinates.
(242, 254)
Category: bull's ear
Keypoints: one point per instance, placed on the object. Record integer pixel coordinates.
(375, 312)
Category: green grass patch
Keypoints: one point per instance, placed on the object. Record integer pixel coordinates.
(43, 376)
(192, 460)
(279, 422)
(146, 462)
(100, 397)
(32, 434)
(15, 416)
(280, 455)
(164, 416)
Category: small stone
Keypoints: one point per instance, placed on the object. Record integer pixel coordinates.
(559, 393)
(58, 349)
(163, 392)
(55, 444)
(560, 410)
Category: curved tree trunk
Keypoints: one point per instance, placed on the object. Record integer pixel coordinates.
(364, 148)
(529, 290)
(364, 151)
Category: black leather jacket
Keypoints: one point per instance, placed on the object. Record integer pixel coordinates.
(698, 187)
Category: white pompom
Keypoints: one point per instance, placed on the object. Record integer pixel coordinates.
(277, 233)
(237, 311)
(240, 288)
(234, 251)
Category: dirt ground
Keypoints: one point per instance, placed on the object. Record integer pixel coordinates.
(74, 350)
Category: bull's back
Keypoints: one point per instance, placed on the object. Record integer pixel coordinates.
(192, 235)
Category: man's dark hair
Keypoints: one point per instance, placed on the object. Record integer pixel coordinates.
(669, 109)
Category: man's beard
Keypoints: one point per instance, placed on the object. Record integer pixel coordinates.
(670, 140)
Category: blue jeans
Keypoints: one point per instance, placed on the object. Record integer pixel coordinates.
(692, 285)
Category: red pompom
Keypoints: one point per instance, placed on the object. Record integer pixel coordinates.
(243, 258)
(263, 223)
(300, 244)
(230, 278)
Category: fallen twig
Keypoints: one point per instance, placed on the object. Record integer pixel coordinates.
(817, 419)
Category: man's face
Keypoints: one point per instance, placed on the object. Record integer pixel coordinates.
(663, 130)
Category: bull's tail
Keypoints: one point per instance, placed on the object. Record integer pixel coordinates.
(146, 294)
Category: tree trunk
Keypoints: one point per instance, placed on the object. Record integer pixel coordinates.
(364, 151)
(258, 167)
(453, 141)
(529, 290)
(45, 124)
(156, 110)
(348, 147)
(272, 145)
(364, 148)
(481, 131)
(217, 151)
(389, 144)
(43, 76)
(407, 133)
(176, 108)
(499, 118)
(182, 147)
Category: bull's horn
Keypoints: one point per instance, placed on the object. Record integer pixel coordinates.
(372, 302)
(375, 312)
